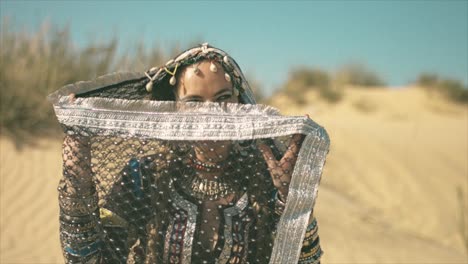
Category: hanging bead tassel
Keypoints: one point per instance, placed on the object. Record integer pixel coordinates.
(213, 67)
(227, 77)
(173, 81)
(149, 86)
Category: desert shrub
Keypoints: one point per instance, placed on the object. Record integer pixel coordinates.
(329, 87)
(358, 75)
(310, 77)
(303, 79)
(447, 87)
(428, 80)
(32, 65)
(454, 90)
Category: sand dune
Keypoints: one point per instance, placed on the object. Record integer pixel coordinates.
(28, 199)
(395, 188)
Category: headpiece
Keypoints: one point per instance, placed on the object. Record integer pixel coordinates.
(195, 55)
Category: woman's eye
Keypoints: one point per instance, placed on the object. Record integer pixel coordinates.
(224, 98)
(192, 100)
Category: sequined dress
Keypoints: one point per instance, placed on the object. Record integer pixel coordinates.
(128, 229)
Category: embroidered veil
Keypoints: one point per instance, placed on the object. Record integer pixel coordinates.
(144, 203)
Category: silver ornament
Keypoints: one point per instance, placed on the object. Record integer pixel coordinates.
(173, 80)
(213, 67)
(149, 86)
(205, 47)
(170, 62)
(227, 77)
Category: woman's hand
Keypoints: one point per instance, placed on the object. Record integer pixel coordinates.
(281, 170)
(76, 153)
(77, 164)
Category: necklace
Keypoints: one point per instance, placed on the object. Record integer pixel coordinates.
(205, 189)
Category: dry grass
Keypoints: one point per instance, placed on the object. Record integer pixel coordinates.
(358, 74)
(450, 88)
(301, 79)
(329, 86)
(34, 64)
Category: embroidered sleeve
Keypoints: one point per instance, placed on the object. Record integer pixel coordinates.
(311, 251)
(79, 232)
(78, 201)
(88, 232)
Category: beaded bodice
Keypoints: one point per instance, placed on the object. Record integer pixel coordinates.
(184, 236)
(193, 230)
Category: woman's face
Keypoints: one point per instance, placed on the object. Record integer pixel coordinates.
(204, 85)
(207, 86)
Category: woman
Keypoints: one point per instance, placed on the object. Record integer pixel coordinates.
(190, 201)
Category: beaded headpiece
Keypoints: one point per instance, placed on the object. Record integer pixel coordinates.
(197, 54)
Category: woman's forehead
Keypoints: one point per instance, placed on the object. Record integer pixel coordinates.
(199, 78)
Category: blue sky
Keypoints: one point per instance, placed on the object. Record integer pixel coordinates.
(397, 39)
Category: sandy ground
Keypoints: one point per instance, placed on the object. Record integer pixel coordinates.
(395, 188)
(29, 207)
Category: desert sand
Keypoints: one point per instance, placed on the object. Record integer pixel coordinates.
(394, 189)
(395, 185)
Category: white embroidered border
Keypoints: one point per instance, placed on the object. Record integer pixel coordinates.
(301, 199)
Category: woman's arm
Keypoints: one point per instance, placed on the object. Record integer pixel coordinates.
(311, 251)
(281, 173)
(78, 200)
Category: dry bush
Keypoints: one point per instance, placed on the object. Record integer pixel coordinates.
(32, 65)
(330, 87)
(428, 80)
(358, 75)
(450, 88)
(302, 79)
